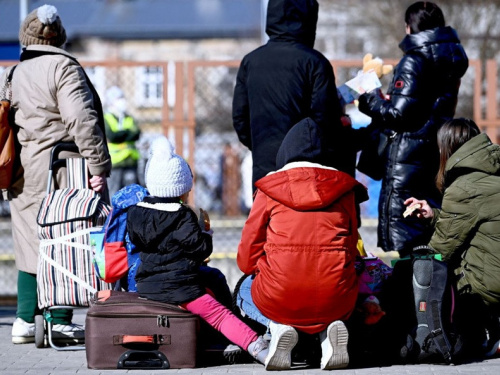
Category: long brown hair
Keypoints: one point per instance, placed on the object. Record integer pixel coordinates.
(450, 137)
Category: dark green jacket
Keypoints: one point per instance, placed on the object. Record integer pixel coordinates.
(467, 229)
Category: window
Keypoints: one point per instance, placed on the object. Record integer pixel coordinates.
(150, 86)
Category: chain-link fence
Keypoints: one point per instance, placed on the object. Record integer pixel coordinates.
(190, 102)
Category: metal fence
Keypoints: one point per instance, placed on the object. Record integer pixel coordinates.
(227, 232)
(190, 102)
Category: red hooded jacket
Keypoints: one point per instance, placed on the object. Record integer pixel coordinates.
(300, 242)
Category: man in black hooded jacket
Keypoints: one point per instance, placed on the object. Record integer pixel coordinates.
(283, 82)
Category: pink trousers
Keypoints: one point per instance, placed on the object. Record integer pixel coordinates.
(222, 319)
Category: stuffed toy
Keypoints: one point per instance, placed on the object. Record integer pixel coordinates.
(363, 82)
(372, 310)
(376, 64)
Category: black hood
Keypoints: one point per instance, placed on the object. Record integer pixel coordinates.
(303, 142)
(292, 20)
(441, 46)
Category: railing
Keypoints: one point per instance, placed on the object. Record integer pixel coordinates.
(190, 102)
(192, 94)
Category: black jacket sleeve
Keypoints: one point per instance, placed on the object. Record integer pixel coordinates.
(406, 93)
(325, 106)
(241, 111)
(196, 244)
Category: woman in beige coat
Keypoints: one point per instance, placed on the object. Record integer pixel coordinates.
(53, 102)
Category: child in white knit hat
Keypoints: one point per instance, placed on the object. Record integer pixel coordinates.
(173, 246)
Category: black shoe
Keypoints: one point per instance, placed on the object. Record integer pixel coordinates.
(232, 354)
(409, 352)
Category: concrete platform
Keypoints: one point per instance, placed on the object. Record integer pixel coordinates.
(28, 360)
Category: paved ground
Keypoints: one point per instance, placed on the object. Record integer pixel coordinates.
(26, 359)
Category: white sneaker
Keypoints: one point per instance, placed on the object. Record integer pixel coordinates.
(283, 340)
(259, 349)
(22, 332)
(72, 331)
(334, 346)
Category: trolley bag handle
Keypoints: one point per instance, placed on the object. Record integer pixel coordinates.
(77, 173)
(142, 339)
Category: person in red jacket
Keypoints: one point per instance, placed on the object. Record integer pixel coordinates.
(299, 246)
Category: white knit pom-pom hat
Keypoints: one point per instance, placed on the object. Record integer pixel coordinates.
(167, 174)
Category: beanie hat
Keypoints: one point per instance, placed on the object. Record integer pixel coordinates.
(42, 26)
(167, 174)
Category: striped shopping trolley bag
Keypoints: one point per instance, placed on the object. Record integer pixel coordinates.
(66, 276)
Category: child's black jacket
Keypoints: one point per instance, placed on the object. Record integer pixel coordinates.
(172, 247)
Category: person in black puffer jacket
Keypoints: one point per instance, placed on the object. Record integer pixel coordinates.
(422, 96)
(172, 247)
(283, 82)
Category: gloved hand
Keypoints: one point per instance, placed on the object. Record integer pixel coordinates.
(367, 100)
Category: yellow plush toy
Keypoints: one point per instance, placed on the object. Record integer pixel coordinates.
(376, 64)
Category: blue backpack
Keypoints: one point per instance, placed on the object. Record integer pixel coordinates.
(114, 254)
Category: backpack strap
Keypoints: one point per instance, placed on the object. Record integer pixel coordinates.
(7, 86)
(9, 81)
(11, 73)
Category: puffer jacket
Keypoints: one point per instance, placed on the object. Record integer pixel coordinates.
(300, 237)
(171, 247)
(423, 95)
(52, 103)
(300, 242)
(468, 225)
(283, 82)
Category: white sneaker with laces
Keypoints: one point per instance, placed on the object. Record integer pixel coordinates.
(334, 346)
(22, 332)
(283, 340)
(71, 331)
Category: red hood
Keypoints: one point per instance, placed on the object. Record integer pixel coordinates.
(307, 186)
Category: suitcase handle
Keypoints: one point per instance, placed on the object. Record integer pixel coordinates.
(141, 339)
(138, 359)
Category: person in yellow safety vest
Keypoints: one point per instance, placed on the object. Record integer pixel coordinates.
(122, 132)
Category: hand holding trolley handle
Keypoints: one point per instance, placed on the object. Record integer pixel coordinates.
(98, 183)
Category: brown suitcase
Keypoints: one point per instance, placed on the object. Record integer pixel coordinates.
(125, 331)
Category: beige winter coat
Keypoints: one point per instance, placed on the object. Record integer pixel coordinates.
(53, 103)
